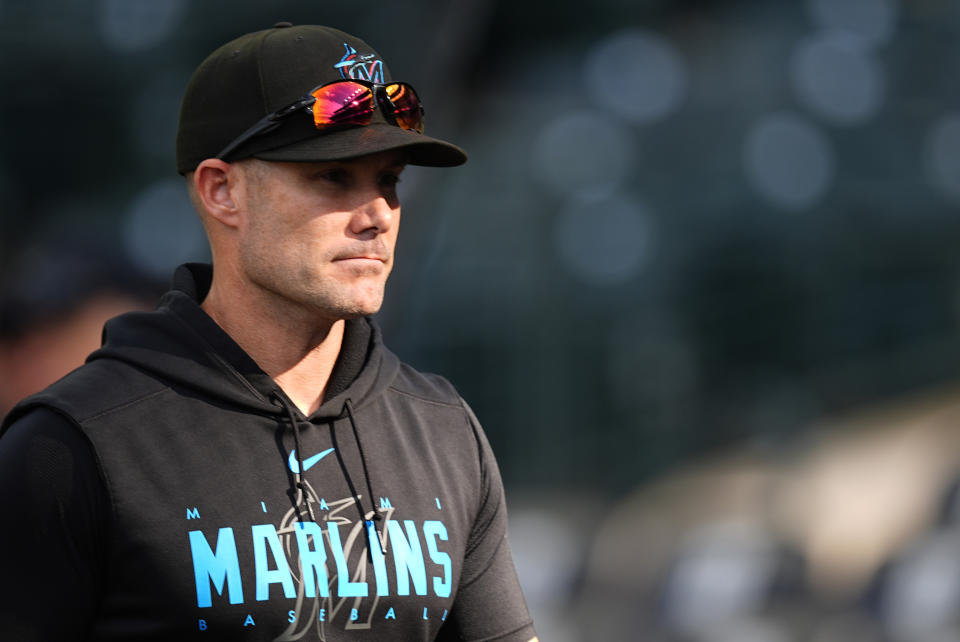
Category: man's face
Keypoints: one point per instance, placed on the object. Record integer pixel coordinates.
(322, 235)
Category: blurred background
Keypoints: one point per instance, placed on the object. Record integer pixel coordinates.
(698, 279)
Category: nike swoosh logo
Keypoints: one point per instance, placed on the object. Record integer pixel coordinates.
(307, 463)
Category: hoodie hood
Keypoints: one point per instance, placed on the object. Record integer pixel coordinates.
(181, 345)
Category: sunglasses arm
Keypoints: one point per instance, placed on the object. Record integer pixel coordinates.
(266, 124)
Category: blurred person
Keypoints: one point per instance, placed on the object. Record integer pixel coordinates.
(250, 460)
(53, 305)
(42, 353)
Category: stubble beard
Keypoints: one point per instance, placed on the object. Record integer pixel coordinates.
(304, 290)
(300, 284)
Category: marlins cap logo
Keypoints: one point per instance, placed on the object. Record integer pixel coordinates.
(355, 66)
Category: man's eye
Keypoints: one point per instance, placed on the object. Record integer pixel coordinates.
(389, 180)
(337, 176)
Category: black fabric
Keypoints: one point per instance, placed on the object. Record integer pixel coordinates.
(54, 541)
(356, 345)
(258, 73)
(359, 141)
(154, 498)
(194, 280)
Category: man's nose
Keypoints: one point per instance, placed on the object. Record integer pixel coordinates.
(378, 214)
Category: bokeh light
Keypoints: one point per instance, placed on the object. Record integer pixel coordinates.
(921, 593)
(550, 548)
(605, 241)
(838, 79)
(942, 155)
(636, 74)
(724, 571)
(788, 161)
(137, 25)
(872, 20)
(583, 154)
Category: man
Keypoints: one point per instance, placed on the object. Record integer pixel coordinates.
(249, 461)
(53, 305)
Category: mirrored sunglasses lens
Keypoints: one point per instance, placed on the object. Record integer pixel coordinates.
(405, 106)
(342, 103)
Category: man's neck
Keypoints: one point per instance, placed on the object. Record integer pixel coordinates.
(296, 350)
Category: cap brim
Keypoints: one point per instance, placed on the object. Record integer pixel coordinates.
(370, 139)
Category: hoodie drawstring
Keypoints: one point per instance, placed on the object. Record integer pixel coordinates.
(296, 441)
(372, 524)
(371, 520)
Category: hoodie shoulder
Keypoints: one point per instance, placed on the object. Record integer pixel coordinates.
(426, 386)
(95, 388)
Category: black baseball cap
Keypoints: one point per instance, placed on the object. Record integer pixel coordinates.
(264, 71)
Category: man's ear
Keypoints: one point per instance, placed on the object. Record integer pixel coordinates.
(219, 188)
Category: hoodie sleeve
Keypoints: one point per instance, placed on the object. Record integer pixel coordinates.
(55, 515)
(489, 603)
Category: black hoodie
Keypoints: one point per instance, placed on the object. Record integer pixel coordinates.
(168, 489)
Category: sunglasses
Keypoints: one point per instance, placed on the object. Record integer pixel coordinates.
(345, 103)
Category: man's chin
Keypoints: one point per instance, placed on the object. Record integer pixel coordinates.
(359, 309)
(359, 314)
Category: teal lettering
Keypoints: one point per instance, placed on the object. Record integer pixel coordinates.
(425, 613)
(354, 615)
(193, 513)
(408, 558)
(322, 615)
(439, 507)
(379, 566)
(444, 618)
(385, 502)
(203, 625)
(264, 536)
(263, 506)
(432, 530)
(291, 616)
(249, 621)
(323, 504)
(345, 588)
(216, 567)
(313, 559)
(390, 615)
